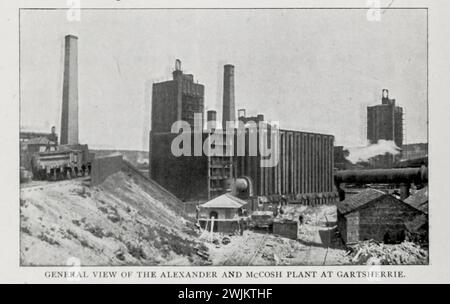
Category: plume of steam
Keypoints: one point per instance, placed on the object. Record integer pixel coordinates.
(363, 154)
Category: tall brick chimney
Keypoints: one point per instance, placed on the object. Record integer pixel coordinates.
(69, 116)
(228, 111)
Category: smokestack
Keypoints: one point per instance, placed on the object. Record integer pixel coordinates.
(385, 96)
(211, 117)
(69, 117)
(228, 112)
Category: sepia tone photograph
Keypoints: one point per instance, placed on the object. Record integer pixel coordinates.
(224, 137)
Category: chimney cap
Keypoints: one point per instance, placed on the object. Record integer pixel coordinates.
(177, 65)
(71, 36)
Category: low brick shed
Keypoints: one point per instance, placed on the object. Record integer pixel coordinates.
(286, 228)
(374, 215)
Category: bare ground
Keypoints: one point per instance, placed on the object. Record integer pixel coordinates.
(314, 246)
(125, 221)
(131, 221)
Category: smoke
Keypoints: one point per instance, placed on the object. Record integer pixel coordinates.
(363, 154)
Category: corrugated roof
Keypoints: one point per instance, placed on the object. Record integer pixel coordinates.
(358, 200)
(224, 201)
(419, 200)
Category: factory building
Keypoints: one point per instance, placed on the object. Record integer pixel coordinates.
(175, 100)
(415, 151)
(385, 121)
(188, 177)
(303, 174)
(35, 142)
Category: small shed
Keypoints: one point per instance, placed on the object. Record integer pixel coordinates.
(419, 200)
(285, 228)
(225, 209)
(374, 215)
(418, 228)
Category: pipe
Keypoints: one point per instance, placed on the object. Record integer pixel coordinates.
(404, 176)
(398, 176)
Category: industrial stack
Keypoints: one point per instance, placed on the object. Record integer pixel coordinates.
(70, 158)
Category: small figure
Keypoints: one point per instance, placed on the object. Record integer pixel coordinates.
(280, 209)
(275, 211)
(197, 211)
(300, 219)
(241, 226)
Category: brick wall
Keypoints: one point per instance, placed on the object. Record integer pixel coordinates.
(288, 229)
(372, 222)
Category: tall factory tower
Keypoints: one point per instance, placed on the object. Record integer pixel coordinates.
(177, 99)
(385, 121)
(228, 111)
(69, 116)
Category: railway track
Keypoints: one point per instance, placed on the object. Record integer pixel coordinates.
(238, 258)
(261, 243)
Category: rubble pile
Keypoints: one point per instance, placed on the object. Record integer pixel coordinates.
(278, 251)
(371, 252)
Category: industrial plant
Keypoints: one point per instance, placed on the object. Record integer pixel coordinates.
(311, 207)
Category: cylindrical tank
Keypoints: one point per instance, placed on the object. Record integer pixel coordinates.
(243, 187)
(403, 175)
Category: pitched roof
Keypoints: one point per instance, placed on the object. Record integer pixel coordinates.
(419, 200)
(224, 201)
(358, 200)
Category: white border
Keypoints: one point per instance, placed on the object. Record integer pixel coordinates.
(439, 108)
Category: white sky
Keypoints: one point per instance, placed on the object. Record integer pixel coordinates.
(312, 70)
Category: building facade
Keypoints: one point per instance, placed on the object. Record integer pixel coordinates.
(189, 177)
(303, 173)
(385, 122)
(175, 100)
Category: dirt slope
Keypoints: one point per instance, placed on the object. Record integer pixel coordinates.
(124, 221)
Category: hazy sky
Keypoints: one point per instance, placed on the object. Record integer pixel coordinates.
(312, 70)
